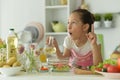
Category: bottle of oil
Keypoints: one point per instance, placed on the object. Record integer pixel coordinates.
(12, 42)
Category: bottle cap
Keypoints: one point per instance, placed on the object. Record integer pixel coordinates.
(12, 29)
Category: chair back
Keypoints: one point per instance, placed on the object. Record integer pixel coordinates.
(100, 38)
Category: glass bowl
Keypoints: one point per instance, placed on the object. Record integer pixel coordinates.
(59, 65)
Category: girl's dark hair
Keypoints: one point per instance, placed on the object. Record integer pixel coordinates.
(85, 16)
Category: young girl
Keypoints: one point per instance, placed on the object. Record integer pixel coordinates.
(80, 46)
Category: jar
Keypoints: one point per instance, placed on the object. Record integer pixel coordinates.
(43, 57)
(53, 2)
(32, 64)
(63, 2)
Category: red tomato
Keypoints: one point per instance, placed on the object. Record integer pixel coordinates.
(112, 69)
(43, 68)
(98, 69)
(106, 65)
(118, 62)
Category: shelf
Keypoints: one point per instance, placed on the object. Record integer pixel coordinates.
(56, 33)
(104, 28)
(56, 7)
(58, 12)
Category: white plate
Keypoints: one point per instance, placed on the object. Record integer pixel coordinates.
(110, 75)
(39, 28)
(10, 71)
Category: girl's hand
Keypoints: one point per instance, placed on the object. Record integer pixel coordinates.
(55, 43)
(92, 36)
(47, 40)
(52, 42)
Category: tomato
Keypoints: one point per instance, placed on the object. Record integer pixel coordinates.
(118, 63)
(112, 69)
(106, 65)
(43, 68)
(98, 69)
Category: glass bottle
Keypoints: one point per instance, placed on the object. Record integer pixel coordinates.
(12, 42)
(83, 5)
(43, 57)
(54, 2)
(63, 2)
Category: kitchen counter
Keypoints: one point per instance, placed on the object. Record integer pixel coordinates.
(52, 76)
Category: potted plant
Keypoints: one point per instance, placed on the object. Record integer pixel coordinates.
(97, 20)
(108, 18)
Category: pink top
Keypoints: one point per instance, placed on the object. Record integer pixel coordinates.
(80, 56)
(81, 60)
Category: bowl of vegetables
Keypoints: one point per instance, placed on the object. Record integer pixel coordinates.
(108, 68)
(10, 67)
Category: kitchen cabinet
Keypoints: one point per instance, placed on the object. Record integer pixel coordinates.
(55, 11)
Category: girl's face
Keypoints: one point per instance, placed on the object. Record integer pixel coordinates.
(75, 27)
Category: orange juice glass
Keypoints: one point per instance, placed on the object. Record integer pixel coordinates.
(43, 57)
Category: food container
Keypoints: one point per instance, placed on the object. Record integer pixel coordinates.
(59, 65)
(63, 2)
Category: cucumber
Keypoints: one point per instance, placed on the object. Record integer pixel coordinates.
(104, 69)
